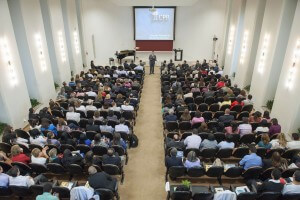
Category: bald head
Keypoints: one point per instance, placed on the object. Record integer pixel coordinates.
(227, 111)
(92, 170)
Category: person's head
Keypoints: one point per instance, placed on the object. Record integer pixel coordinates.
(61, 122)
(243, 93)
(122, 120)
(264, 123)
(53, 153)
(16, 150)
(92, 170)
(198, 114)
(171, 111)
(274, 121)
(245, 120)
(47, 187)
(110, 152)
(176, 137)
(266, 115)
(67, 153)
(265, 138)
(226, 98)
(203, 126)
(173, 152)
(186, 112)
(295, 136)
(227, 111)
(110, 113)
(282, 139)
(97, 138)
(97, 114)
(89, 157)
(192, 157)
(14, 171)
(45, 123)
(249, 96)
(82, 138)
(252, 149)
(36, 152)
(228, 138)
(276, 174)
(211, 137)
(195, 131)
(117, 137)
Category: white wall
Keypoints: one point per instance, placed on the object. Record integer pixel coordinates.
(112, 28)
(14, 100)
(286, 106)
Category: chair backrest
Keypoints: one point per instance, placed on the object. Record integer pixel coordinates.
(63, 147)
(181, 195)
(105, 194)
(38, 168)
(214, 107)
(56, 168)
(252, 172)
(118, 149)
(5, 166)
(241, 152)
(290, 153)
(37, 189)
(111, 169)
(234, 172)
(185, 125)
(208, 153)
(176, 171)
(90, 134)
(76, 134)
(5, 147)
(247, 139)
(5, 192)
(83, 148)
(22, 166)
(33, 146)
(290, 197)
(75, 169)
(247, 196)
(62, 191)
(99, 150)
(215, 171)
(203, 196)
(196, 172)
(288, 172)
(269, 196)
(224, 153)
(21, 191)
(22, 134)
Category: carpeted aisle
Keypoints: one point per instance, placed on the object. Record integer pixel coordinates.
(144, 174)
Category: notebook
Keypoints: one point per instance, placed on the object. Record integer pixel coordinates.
(241, 189)
(68, 185)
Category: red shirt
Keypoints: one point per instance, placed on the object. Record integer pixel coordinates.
(236, 103)
(220, 84)
(21, 158)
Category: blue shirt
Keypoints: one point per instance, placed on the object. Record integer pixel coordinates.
(189, 164)
(4, 179)
(170, 118)
(251, 160)
(51, 128)
(46, 196)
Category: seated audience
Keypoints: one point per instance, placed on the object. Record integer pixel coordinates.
(72, 115)
(16, 179)
(90, 159)
(117, 140)
(294, 186)
(191, 160)
(256, 117)
(70, 158)
(248, 101)
(209, 143)
(175, 142)
(185, 115)
(111, 116)
(295, 144)
(227, 144)
(79, 107)
(97, 116)
(106, 128)
(193, 141)
(127, 106)
(226, 101)
(101, 180)
(171, 116)
(275, 184)
(279, 142)
(53, 157)
(111, 158)
(47, 189)
(238, 101)
(275, 161)
(4, 179)
(38, 156)
(245, 127)
(275, 127)
(98, 141)
(46, 126)
(251, 160)
(265, 141)
(227, 117)
(263, 127)
(232, 129)
(84, 140)
(266, 116)
(91, 126)
(122, 127)
(197, 119)
(18, 155)
(173, 160)
(90, 106)
(37, 138)
(62, 125)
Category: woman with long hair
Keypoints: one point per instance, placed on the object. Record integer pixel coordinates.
(191, 160)
(265, 141)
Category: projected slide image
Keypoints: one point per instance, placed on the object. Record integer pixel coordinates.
(158, 25)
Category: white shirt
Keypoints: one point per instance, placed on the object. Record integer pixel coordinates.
(122, 128)
(226, 145)
(188, 95)
(291, 188)
(262, 129)
(25, 181)
(39, 160)
(245, 129)
(127, 108)
(91, 94)
(139, 67)
(293, 144)
(73, 116)
(192, 142)
(115, 108)
(81, 108)
(90, 107)
(39, 141)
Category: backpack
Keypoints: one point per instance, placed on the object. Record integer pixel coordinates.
(134, 142)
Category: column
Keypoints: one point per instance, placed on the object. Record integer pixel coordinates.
(271, 50)
(30, 35)
(254, 13)
(56, 39)
(234, 34)
(14, 98)
(72, 35)
(286, 107)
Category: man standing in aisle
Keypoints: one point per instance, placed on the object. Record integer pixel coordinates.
(152, 59)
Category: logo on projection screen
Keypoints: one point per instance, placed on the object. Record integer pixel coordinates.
(158, 17)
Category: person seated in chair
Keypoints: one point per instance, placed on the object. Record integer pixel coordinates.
(170, 117)
(209, 143)
(38, 156)
(111, 158)
(47, 189)
(191, 160)
(122, 127)
(70, 158)
(175, 142)
(16, 179)
(127, 106)
(18, 155)
(106, 128)
(91, 126)
(4, 179)
(72, 115)
(101, 180)
(111, 116)
(46, 126)
(251, 160)
(294, 186)
(193, 141)
(227, 144)
(245, 128)
(227, 117)
(173, 160)
(295, 144)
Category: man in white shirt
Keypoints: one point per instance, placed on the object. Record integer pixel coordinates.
(122, 127)
(114, 107)
(90, 106)
(91, 93)
(79, 107)
(245, 128)
(188, 94)
(71, 115)
(127, 107)
(295, 144)
(294, 187)
(38, 156)
(139, 68)
(248, 101)
(193, 141)
(17, 180)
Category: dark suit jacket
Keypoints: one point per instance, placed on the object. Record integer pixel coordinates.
(112, 160)
(226, 118)
(269, 186)
(173, 161)
(176, 144)
(102, 180)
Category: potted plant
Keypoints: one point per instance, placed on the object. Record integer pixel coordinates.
(270, 104)
(34, 102)
(56, 86)
(247, 88)
(185, 186)
(2, 126)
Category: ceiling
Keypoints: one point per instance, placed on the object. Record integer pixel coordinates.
(154, 2)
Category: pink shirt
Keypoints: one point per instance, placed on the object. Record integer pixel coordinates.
(196, 120)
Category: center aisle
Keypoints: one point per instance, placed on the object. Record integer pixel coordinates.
(144, 174)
